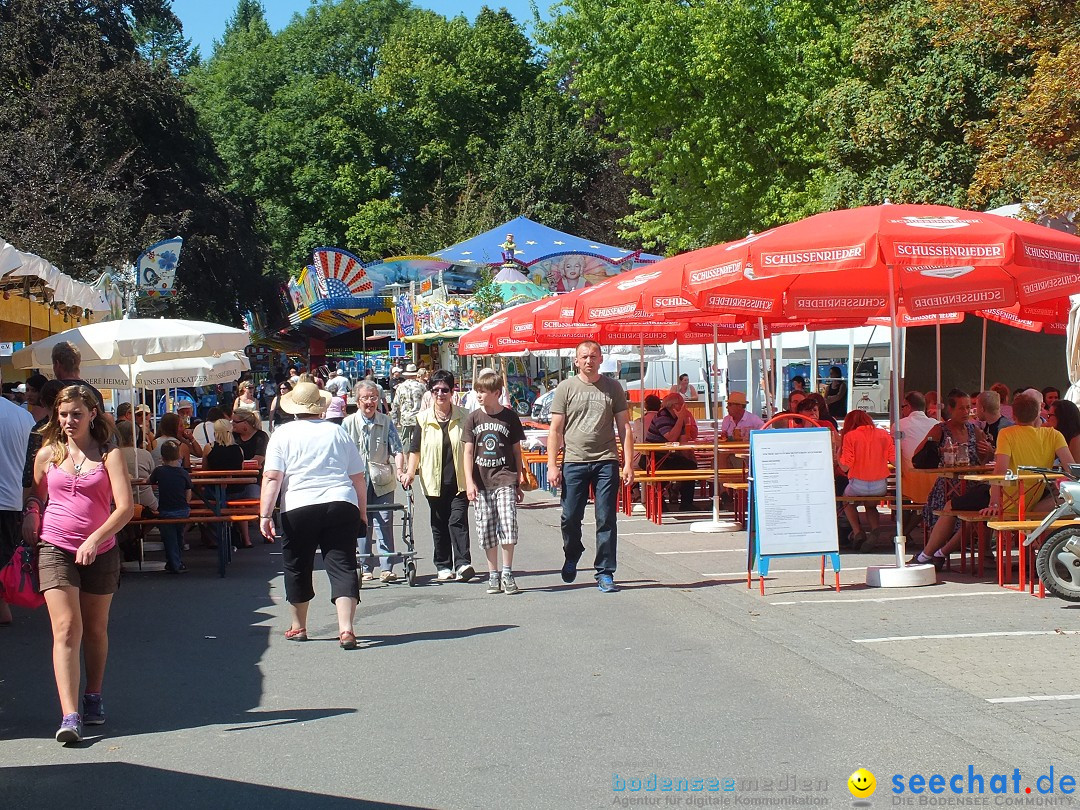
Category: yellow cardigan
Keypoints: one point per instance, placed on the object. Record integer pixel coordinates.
(429, 470)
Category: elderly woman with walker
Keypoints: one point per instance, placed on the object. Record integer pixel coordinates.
(380, 447)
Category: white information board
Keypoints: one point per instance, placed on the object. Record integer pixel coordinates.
(794, 494)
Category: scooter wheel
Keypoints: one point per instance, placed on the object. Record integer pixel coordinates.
(1059, 568)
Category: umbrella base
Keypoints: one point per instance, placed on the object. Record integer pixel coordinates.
(147, 567)
(715, 526)
(908, 576)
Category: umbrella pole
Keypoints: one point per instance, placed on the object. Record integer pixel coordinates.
(940, 398)
(850, 366)
(641, 375)
(982, 367)
(778, 380)
(715, 525)
(899, 575)
(766, 363)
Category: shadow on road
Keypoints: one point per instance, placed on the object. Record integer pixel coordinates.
(117, 784)
(184, 652)
(369, 642)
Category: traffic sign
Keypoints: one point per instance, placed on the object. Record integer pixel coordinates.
(397, 348)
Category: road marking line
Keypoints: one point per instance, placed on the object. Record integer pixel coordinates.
(772, 571)
(685, 532)
(969, 635)
(892, 598)
(706, 551)
(1032, 698)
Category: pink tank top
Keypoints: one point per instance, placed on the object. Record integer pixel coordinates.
(78, 505)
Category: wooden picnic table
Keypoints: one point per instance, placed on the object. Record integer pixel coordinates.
(1004, 480)
(213, 489)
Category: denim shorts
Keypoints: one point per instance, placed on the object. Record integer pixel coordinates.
(856, 486)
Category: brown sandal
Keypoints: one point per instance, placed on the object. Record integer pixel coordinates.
(296, 635)
(347, 639)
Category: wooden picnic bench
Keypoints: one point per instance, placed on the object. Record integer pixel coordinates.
(1007, 532)
(974, 537)
(653, 483)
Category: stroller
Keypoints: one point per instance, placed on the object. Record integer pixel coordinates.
(408, 554)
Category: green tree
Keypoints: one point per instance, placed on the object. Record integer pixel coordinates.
(447, 90)
(712, 102)
(486, 295)
(294, 120)
(159, 37)
(92, 172)
(1028, 148)
(550, 166)
(234, 89)
(900, 129)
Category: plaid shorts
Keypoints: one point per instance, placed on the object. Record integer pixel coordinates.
(496, 517)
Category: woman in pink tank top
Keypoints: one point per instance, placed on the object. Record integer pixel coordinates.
(80, 498)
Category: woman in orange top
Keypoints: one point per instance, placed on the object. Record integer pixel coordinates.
(865, 455)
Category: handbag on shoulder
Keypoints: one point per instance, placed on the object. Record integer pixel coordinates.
(929, 458)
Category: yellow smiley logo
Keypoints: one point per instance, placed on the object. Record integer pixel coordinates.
(862, 784)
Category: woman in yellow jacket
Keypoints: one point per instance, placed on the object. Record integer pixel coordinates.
(436, 450)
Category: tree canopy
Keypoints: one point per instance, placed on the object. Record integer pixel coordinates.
(94, 171)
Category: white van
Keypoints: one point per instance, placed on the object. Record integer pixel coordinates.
(660, 376)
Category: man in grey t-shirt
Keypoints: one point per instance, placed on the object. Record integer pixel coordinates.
(586, 412)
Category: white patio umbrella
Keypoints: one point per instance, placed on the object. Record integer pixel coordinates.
(187, 371)
(1072, 351)
(129, 341)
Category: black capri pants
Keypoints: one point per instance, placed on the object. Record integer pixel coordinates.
(333, 528)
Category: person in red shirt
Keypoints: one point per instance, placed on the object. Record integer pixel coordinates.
(865, 454)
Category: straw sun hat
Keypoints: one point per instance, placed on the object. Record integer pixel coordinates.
(305, 397)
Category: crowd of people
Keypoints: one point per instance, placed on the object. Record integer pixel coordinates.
(329, 479)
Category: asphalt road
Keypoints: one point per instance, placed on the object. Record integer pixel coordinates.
(559, 696)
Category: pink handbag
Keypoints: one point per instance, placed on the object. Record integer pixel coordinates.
(19, 579)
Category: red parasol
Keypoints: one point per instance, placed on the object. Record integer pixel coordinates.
(935, 258)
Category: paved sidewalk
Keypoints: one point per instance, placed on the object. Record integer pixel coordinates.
(550, 698)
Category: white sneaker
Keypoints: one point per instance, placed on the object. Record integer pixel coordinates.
(387, 576)
(446, 575)
(465, 573)
(367, 576)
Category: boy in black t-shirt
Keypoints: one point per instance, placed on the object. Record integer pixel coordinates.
(493, 475)
(174, 496)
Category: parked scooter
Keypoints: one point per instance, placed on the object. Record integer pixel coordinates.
(1058, 559)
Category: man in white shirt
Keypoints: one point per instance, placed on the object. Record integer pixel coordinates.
(914, 423)
(15, 426)
(738, 416)
(339, 384)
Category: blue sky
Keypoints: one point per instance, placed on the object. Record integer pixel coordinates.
(204, 20)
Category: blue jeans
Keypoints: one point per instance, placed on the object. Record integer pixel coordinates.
(603, 477)
(172, 536)
(380, 530)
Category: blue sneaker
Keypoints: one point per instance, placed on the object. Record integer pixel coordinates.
(569, 570)
(70, 730)
(93, 713)
(606, 584)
